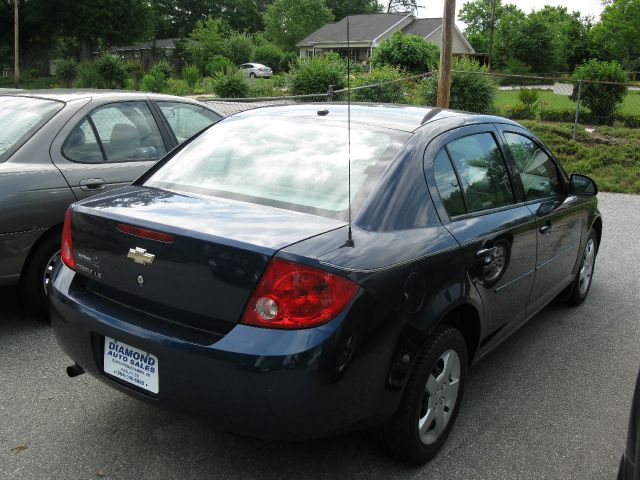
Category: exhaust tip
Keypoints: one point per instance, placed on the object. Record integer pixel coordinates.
(74, 370)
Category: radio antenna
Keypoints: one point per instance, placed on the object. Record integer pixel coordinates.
(349, 234)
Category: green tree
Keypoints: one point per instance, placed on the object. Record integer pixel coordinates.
(409, 52)
(240, 47)
(100, 22)
(269, 55)
(401, 6)
(616, 36)
(477, 15)
(528, 39)
(207, 40)
(289, 21)
(342, 8)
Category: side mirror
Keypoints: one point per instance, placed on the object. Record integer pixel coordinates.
(582, 185)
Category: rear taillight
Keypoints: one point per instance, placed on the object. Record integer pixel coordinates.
(291, 295)
(66, 249)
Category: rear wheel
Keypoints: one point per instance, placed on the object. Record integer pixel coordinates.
(431, 400)
(37, 276)
(579, 289)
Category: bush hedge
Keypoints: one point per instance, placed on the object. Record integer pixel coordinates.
(602, 99)
(111, 70)
(385, 93)
(470, 90)
(408, 52)
(231, 85)
(67, 71)
(314, 75)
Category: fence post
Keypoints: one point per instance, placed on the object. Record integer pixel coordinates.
(330, 93)
(575, 125)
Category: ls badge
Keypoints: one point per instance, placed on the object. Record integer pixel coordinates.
(140, 256)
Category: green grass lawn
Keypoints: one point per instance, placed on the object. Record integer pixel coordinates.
(551, 101)
(609, 155)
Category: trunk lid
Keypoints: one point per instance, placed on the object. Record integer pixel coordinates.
(205, 275)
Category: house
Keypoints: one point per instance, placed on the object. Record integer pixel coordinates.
(366, 31)
(142, 50)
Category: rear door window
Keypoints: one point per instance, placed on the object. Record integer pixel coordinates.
(128, 132)
(482, 172)
(82, 146)
(447, 184)
(186, 119)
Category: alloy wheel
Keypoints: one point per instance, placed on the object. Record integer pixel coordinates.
(586, 269)
(48, 270)
(440, 397)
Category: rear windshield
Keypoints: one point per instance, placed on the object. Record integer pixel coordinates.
(292, 163)
(20, 117)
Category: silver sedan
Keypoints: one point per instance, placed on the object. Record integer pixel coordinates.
(253, 70)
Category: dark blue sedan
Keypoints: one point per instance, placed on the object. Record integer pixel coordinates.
(228, 281)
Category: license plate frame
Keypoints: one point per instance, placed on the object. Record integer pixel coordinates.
(131, 365)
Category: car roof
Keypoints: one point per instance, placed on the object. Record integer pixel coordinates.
(70, 94)
(398, 117)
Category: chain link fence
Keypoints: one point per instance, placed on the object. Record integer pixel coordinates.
(542, 98)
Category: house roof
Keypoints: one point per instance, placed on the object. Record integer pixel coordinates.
(423, 26)
(362, 28)
(164, 43)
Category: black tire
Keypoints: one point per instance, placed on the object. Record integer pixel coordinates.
(575, 293)
(252, 75)
(32, 283)
(400, 436)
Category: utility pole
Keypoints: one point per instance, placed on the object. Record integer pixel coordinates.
(492, 32)
(444, 79)
(16, 49)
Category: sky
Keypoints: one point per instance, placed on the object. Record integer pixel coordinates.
(434, 8)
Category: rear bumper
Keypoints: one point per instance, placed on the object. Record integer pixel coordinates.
(252, 381)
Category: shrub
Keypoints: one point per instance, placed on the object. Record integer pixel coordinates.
(135, 72)
(67, 71)
(239, 48)
(219, 64)
(387, 93)
(470, 89)
(175, 86)
(409, 52)
(111, 71)
(264, 88)
(601, 98)
(528, 97)
(314, 75)
(153, 82)
(231, 85)
(286, 60)
(88, 76)
(130, 84)
(191, 75)
(519, 112)
(269, 55)
(162, 68)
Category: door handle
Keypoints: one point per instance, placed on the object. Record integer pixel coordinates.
(92, 184)
(486, 255)
(545, 229)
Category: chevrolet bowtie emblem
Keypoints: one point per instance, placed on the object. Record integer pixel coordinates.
(140, 255)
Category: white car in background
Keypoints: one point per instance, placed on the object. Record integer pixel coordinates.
(253, 70)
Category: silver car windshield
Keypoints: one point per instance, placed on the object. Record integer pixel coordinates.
(291, 163)
(20, 117)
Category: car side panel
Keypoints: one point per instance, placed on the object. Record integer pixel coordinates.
(33, 196)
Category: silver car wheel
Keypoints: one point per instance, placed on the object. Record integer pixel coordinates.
(440, 397)
(586, 269)
(48, 270)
